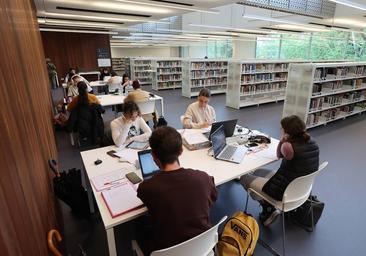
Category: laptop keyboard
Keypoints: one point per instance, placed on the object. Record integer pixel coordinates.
(228, 152)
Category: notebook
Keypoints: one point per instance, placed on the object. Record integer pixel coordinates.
(121, 199)
(108, 180)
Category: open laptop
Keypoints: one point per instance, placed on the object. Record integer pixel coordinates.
(229, 127)
(225, 152)
(147, 164)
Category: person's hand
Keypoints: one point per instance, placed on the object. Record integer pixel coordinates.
(205, 125)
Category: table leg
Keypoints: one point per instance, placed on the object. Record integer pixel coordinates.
(111, 242)
(162, 106)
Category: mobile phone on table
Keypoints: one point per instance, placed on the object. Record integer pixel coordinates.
(111, 153)
(132, 176)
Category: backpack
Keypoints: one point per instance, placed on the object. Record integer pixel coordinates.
(239, 236)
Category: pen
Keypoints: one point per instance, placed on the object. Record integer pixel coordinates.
(112, 181)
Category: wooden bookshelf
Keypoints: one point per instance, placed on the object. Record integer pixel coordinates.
(168, 74)
(325, 92)
(200, 73)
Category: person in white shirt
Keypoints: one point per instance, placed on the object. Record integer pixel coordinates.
(77, 78)
(199, 114)
(128, 127)
(114, 83)
(126, 84)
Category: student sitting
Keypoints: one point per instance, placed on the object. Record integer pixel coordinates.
(104, 73)
(128, 127)
(126, 84)
(199, 114)
(177, 199)
(82, 98)
(114, 83)
(73, 90)
(300, 157)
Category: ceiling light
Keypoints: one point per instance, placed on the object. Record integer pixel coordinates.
(223, 27)
(60, 22)
(97, 18)
(77, 31)
(349, 22)
(350, 4)
(193, 9)
(300, 28)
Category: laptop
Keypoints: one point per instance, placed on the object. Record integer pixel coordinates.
(147, 164)
(225, 152)
(229, 127)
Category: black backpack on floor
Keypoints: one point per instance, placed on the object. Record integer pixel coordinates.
(302, 215)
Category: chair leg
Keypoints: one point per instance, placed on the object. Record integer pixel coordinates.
(246, 202)
(283, 234)
(312, 215)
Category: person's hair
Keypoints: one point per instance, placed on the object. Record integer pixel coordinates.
(123, 77)
(136, 84)
(295, 128)
(83, 94)
(205, 93)
(113, 73)
(166, 144)
(75, 76)
(105, 69)
(130, 107)
(71, 69)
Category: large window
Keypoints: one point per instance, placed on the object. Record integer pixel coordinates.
(295, 46)
(268, 47)
(211, 49)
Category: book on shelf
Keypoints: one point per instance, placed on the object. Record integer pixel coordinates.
(209, 65)
(209, 82)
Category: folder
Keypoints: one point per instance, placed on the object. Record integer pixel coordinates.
(121, 199)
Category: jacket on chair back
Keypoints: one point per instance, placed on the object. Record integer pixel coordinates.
(304, 162)
(88, 122)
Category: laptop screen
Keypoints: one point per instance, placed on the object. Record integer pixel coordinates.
(218, 140)
(147, 164)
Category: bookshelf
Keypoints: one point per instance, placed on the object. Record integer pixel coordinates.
(256, 82)
(200, 73)
(142, 69)
(121, 66)
(325, 92)
(168, 74)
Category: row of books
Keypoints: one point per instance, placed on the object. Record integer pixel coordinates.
(253, 89)
(338, 72)
(142, 62)
(170, 84)
(143, 74)
(263, 77)
(334, 100)
(327, 87)
(167, 64)
(209, 65)
(208, 82)
(141, 68)
(169, 70)
(334, 113)
(169, 77)
(260, 67)
(207, 73)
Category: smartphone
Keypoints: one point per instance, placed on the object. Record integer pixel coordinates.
(252, 144)
(111, 153)
(132, 176)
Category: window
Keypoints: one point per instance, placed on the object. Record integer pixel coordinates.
(268, 47)
(295, 46)
(211, 49)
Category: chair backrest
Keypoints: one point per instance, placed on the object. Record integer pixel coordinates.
(298, 191)
(200, 245)
(146, 107)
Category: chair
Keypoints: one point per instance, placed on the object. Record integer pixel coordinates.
(200, 245)
(147, 109)
(296, 193)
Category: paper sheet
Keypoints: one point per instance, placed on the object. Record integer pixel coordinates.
(109, 180)
(195, 138)
(121, 199)
(127, 154)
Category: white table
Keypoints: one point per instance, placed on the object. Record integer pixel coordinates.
(97, 83)
(112, 100)
(86, 73)
(221, 171)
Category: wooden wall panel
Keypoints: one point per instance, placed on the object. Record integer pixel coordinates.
(73, 50)
(27, 203)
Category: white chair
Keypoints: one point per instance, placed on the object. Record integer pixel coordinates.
(146, 107)
(296, 193)
(200, 245)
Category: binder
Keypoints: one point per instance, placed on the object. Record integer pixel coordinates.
(121, 199)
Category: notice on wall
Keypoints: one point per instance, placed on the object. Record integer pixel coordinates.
(104, 58)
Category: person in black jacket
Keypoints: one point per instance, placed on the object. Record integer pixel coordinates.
(86, 118)
(300, 157)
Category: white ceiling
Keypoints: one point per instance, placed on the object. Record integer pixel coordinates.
(212, 17)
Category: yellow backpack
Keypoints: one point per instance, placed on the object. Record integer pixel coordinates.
(239, 236)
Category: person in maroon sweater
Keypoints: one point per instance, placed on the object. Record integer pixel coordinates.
(178, 199)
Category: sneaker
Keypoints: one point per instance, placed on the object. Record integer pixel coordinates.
(271, 218)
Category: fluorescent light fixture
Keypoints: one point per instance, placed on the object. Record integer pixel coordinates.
(94, 18)
(78, 31)
(350, 4)
(171, 6)
(77, 24)
(300, 27)
(271, 19)
(228, 28)
(349, 22)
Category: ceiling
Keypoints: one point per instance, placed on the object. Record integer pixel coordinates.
(173, 22)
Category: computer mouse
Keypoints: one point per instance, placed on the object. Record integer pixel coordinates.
(98, 161)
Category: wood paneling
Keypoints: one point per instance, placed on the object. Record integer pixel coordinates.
(73, 50)
(27, 204)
